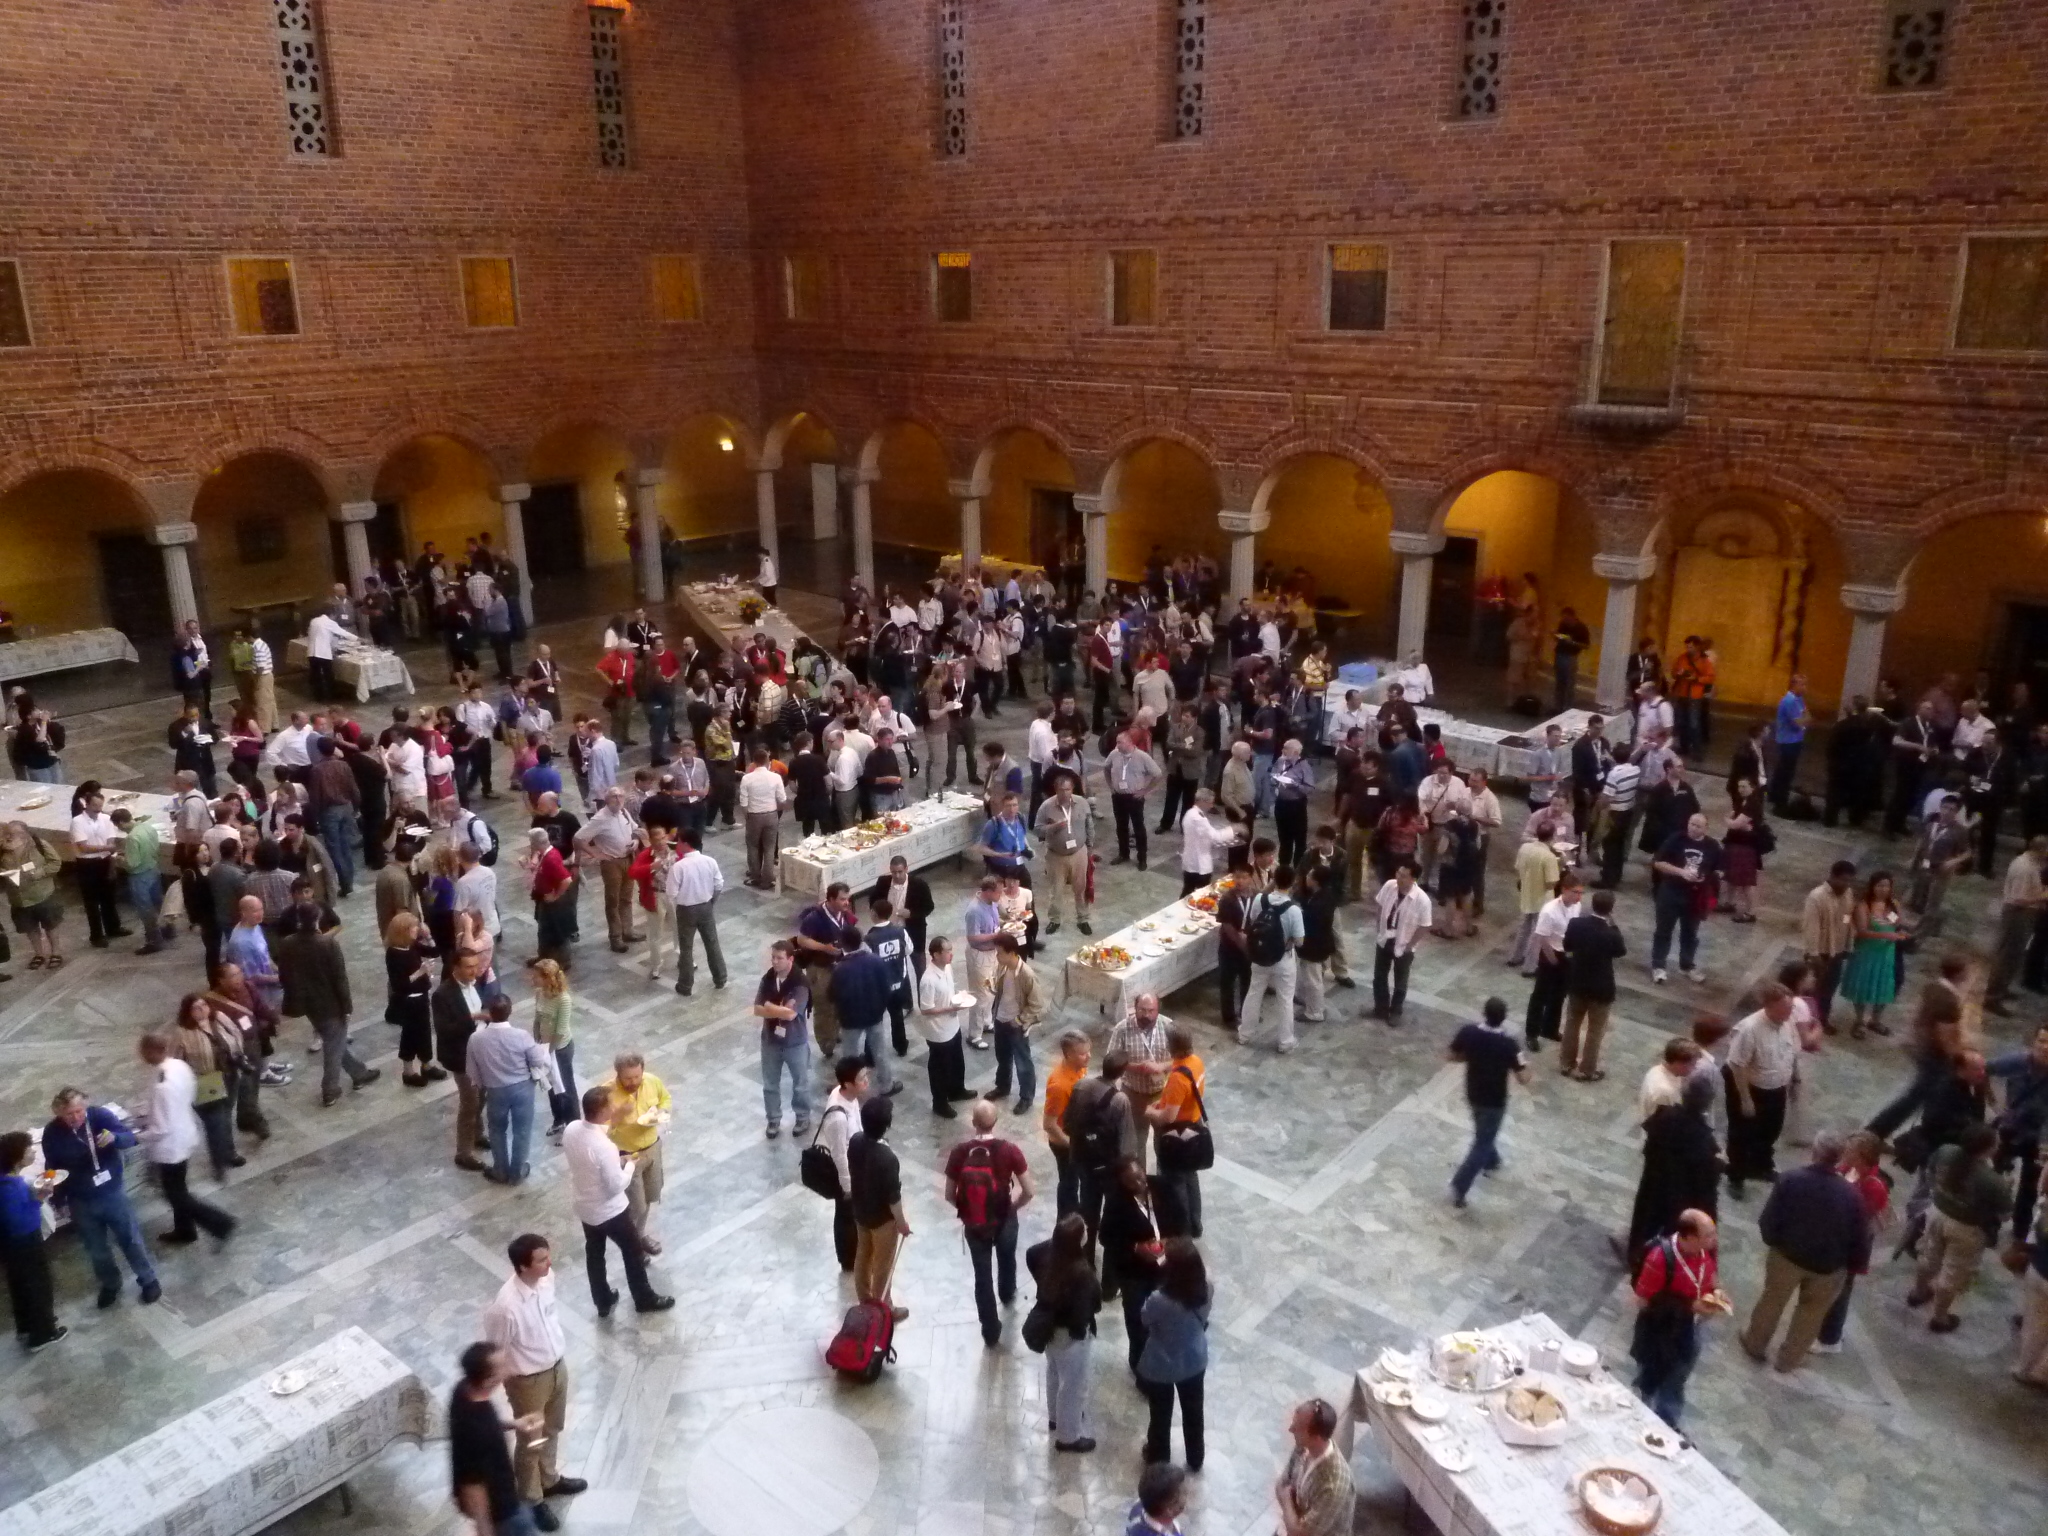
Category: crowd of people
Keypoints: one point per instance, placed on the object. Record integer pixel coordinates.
(1215, 723)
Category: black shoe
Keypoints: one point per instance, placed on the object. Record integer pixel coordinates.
(1346, 982)
(150, 1293)
(681, 990)
(545, 1519)
(1051, 929)
(564, 1488)
(470, 1164)
(1021, 1107)
(178, 1239)
(605, 1308)
(945, 1111)
(892, 1090)
(48, 1339)
(963, 1095)
(1082, 1445)
(368, 1077)
(109, 1294)
(1122, 858)
(1084, 928)
(659, 1304)
(120, 933)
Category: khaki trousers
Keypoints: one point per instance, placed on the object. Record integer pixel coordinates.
(661, 927)
(1783, 1282)
(1357, 843)
(1584, 1056)
(1066, 876)
(2032, 1364)
(644, 1188)
(546, 1393)
(874, 1259)
(469, 1115)
(618, 898)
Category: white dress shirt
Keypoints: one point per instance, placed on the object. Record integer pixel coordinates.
(844, 773)
(171, 1131)
(476, 890)
(1770, 1051)
(937, 1018)
(1039, 743)
(321, 634)
(762, 790)
(292, 747)
(521, 1321)
(1551, 920)
(694, 879)
(836, 1130)
(597, 1179)
(407, 761)
(1199, 840)
(1401, 918)
(93, 837)
(608, 835)
(1441, 799)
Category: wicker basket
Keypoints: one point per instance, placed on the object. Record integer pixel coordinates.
(1608, 1525)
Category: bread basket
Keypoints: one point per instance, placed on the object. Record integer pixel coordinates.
(1604, 1514)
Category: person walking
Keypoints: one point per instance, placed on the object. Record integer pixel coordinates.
(1403, 914)
(1677, 1284)
(1017, 1004)
(988, 1182)
(1490, 1057)
(876, 1180)
(523, 1325)
(1592, 943)
(1971, 1199)
(213, 1048)
(1817, 1233)
(1069, 1297)
(171, 1133)
(314, 976)
(85, 1141)
(22, 1254)
(938, 1017)
(1175, 1357)
(694, 883)
(782, 1002)
(598, 1175)
(486, 1487)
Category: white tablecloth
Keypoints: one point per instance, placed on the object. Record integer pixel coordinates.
(1520, 1491)
(717, 609)
(366, 671)
(940, 828)
(993, 569)
(44, 654)
(52, 822)
(1191, 957)
(245, 1460)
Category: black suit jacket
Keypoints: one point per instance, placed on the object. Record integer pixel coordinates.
(917, 899)
(452, 1026)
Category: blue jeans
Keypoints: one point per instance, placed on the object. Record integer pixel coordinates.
(660, 725)
(508, 1113)
(146, 896)
(1013, 1048)
(791, 1055)
(54, 774)
(1262, 784)
(995, 1274)
(1484, 1157)
(105, 1221)
(336, 823)
(871, 1045)
(1661, 1384)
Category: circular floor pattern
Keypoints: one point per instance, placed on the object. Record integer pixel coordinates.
(790, 1471)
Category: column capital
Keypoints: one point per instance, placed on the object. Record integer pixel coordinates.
(517, 490)
(354, 512)
(1414, 506)
(961, 490)
(169, 535)
(1238, 523)
(648, 479)
(1414, 546)
(1089, 504)
(1876, 602)
(1625, 568)
(855, 475)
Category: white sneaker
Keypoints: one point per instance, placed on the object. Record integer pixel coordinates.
(1285, 1047)
(1696, 976)
(1660, 976)
(1827, 1349)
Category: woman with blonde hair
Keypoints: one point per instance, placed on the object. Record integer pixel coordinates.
(409, 972)
(554, 1027)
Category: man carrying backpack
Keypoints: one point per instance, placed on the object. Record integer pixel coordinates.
(1099, 1133)
(988, 1182)
(1273, 931)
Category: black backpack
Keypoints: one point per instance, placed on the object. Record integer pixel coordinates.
(1097, 1136)
(488, 848)
(1266, 934)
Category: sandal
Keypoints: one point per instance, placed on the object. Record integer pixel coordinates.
(37, 962)
(1878, 1027)
(55, 961)
(1592, 1077)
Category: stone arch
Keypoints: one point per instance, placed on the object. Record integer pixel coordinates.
(869, 463)
(1136, 437)
(907, 467)
(991, 442)
(32, 459)
(707, 491)
(777, 438)
(265, 530)
(51, 567)
(456, 426)
(316, 455)
(1370, 462)
(1979, 550)
(1530, 459)
(1324, 513)
(581, 473)
(445, 486)
(1977, 499)
(1024, 480)
(1163, 487)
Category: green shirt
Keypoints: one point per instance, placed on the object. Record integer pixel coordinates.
(553, 1021)
(139, 849)
(39, 883)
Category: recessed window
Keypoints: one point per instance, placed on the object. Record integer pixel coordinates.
(952, 72)
(1357, 288)
(490, 300)
(1190, 58)
(261, 540)
(2005, 294)
(1133, 288)
(803, 287)
(13, 307)
(1485, 43)
(676, 296)
(260, 296)
(304, 67)
(1915, 44)
(953, 287)
(1641, 322)
(608, 80)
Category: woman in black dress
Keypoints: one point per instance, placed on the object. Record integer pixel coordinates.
(1681, 1163)
(409, 974)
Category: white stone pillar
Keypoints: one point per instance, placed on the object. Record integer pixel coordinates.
(764, 511)
(355, 518)
(970, 522)
(171, 540)
(512, 501)
(1418, 552)
(1624, 575)
(1869, 609)
(1095, 528)
(824, 501)
(864, 532)
(1244, 529)
(647, 512)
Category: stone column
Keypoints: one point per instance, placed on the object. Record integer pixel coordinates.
(355, 518)
(1244, 529)
(1624, 575)
(764, 510)
(512, 501)
(970, 522)
(1418, 553)
(647, 513)
(824, 501)
(170, 540)
(1095, 527)
(1869, 609)
(864, 531)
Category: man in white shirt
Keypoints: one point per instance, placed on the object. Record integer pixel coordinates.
(321, 637)
(1274, 971)
(292, 747)
(1201, 839)
(694, 881)
(835, 1130)
(762, 795)
(259, 690)
(608, 840)
(598, 1175)
(1153, 689)
(94, 839)
(521, 1320)
(1349, 716)
(1763, 1060)
(1403, 913)
(766, 577)
(601, 761)
(842, 777)
(170, 1134)
(406, 762)
(1653, 712)
(480, 717)
(1614, 811)
(1442, 797)
(476, 888)
(1039, 746)
(938, 1018)
(1972, 726)
(1544, 1019)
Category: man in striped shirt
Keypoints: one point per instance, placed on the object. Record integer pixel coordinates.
(1615, 811)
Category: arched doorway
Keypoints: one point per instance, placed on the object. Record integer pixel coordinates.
(1503, 527)
(1976, 600)
(445, 492)
(709, 490)
(1329, 522)
(75, 554)
(1027, 511)
(1165, 497)
(264, 535)
(911, 499)
(576, 517)
(806, 478)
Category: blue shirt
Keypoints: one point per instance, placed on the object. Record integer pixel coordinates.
(1790, 710)
(74, 1152)
(2026, 1095)
(1135, 1524)
(1007, 841)
(1176, 1339)
(982, 921)
(861, 985)
(248, 948)
(20, 1212)
(541, 779)
(1406, 766)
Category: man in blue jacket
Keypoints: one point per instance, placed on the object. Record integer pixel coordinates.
(86, 1142)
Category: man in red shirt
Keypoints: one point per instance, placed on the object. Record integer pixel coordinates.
(615, 666)
(988, 1182)
(1677, 1285)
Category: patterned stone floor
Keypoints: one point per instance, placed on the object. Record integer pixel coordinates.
(1329, 1234)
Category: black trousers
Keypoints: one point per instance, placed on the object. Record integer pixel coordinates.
(28, 1283)
(1159, 1429)
(189, 1213)
(1290, 825)
(1389, 979)
(1180, 798)
(96, 889)
(1234, 976)
(1752, 1139)
(501, 651)
(1907, 777)
(1067, 1188)
(843, 1235)
(617, 1229)
(899, 1006)
(1544, 1019)
(1135, 1286)
(946, 1063)
(320, 677)
(1130, 824)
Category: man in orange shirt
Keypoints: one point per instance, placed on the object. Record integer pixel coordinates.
(1059, 1088)
(1181, 1101)
(1692, 680)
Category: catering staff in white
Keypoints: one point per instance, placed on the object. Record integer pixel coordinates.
(522, 1322)
(1200, 841)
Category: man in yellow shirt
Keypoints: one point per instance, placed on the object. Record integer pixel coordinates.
(640, 1114)
(1537, 869)
(1181, 1102)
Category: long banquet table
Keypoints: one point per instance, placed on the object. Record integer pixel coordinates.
(52, 820)
(364, 670)
(1187, 959)
(714, 607)
(1513, 1490)
(245, 1460)
(993, 568)
(940, 828)
(41, 655)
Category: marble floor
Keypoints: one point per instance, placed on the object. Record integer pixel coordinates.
(1328, 1235)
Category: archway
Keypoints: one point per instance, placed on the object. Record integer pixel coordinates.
(581, 506)
(1166, 496)
(1976, 599)
(264, 534)
(912, 498)
(75, 554)
(805, 506)
(709, 489)
(1027, 513)
(1330, 521)
(1503, 527)
(446, 493)
(1758, 577)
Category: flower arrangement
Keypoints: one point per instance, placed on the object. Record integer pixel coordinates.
(751, 608)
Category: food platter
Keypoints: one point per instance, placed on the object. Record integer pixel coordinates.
(1104, 957)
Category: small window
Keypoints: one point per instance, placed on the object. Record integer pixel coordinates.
(676, 297)
(1357, 288)
(1915, 44)
(1485, 42)
(1133, 288)
(1641, 319)
(304, 67)
(1190, 59)
(952, 71)
(13, 307)
(260, 296)
(489, 298)
(803, 287)
(953, 287)
(608, 80)
(261, 540)
(2005, 294)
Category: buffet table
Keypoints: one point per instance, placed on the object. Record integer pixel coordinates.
(714, 607)
(365, 670)
(1164, 957)
(995, 570)
(1471, 1482)
(44, 654)
(938, 828)
(246, 1460)
(51, 821)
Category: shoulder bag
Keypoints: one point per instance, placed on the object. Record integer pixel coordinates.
(1187, 1146)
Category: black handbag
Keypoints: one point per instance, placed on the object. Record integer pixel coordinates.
(1037, 1328)
(815, 1168)
(1187, 1146)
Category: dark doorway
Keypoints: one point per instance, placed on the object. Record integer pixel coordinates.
(1452, 576)
(133, 587)
(2024, 656)
(554, 530)
(1053, 523)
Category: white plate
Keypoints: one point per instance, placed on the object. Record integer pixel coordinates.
(1579, 1359)
(1429, 1407)
(1400, 1367)
(285, 1383)
(1394, 1394)
(964, 999)
(1452, 1458)
(50, 1178)
(1661, 1442)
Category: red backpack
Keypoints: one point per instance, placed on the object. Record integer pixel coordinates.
(979, 1189)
